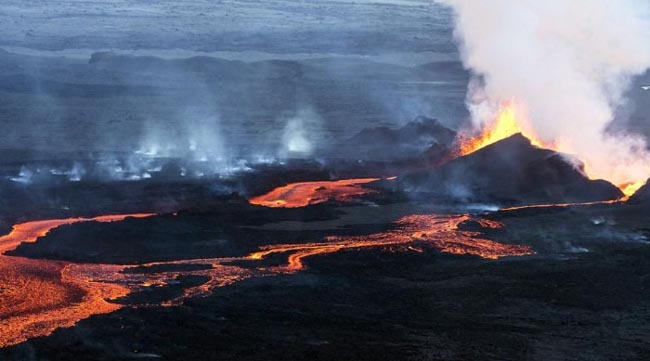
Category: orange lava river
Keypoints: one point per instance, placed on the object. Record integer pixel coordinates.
(302, 194)
(437, 231)
(39, 296)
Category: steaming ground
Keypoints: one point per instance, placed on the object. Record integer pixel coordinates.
(210, 106)
(587, 278)
(376, 78)
(187, 108)
(47, 97)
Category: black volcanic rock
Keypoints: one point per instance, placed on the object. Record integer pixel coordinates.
(421, 127)
(436, 155)
(512, 171)
(642, 195)
(410, 140)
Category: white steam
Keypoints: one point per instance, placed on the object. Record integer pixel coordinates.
(196, 137)
(567, 64)
(300, 134)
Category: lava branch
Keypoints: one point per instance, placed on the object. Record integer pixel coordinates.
(39, 296)
(295, 195)
(441, 232)
(44, 295)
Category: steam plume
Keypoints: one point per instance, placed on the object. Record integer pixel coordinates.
(300, 133)
(566, 64)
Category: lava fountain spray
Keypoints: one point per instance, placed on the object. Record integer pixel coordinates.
(565, 65)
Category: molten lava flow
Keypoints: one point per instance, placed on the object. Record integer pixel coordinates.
(560, 205)
(443, 233)
(39, 296)
(30, 231)
(439, 231)
(303, 194)
(35, 295)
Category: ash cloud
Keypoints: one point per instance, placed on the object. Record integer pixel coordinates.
(568, 65)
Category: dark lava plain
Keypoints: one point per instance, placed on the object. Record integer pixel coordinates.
(583, 296)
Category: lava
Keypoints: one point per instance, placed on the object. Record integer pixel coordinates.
(35, 295)
(303, 194)
(506, 124)
(511, 120)
(630, 188)
(439, 231)
(39, 296)
(559, 205)
(30, 231)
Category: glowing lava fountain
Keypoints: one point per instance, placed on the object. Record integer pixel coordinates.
(511, 120)
(506, 124)
(630, 188)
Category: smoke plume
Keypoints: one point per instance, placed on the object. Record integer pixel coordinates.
(566, 66)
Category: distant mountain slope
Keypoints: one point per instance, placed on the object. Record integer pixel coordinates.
(409, 141)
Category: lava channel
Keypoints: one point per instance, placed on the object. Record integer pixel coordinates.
(295, 195)
(35, 297)
(439, 231)
(39, 296)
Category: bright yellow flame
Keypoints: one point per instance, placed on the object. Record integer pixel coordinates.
(506, 124)
(630, 188)
(509, 122)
